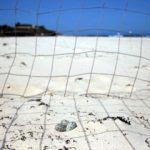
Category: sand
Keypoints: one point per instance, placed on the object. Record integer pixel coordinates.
(38, 89)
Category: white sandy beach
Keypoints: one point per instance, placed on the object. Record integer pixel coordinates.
(35, 77)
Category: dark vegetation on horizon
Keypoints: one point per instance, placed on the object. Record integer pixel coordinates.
(21, 29)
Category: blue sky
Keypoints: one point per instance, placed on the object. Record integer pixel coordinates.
(80, 16)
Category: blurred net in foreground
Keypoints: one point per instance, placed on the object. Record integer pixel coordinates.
(97, 63)
(112, 61)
